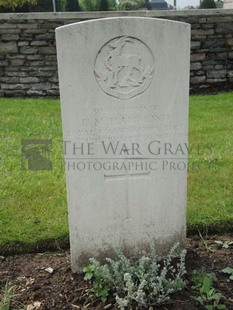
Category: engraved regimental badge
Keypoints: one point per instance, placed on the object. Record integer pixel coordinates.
(124, 67)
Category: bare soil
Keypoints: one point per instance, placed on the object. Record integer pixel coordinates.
(38, 289)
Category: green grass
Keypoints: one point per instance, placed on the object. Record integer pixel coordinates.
(210, 189)
(33, 208)
(32, 203)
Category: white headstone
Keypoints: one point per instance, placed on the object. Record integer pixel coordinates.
(124, 86)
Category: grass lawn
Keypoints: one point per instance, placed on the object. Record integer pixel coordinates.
(33, 209)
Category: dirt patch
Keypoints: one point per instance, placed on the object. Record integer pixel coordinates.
(58, 288)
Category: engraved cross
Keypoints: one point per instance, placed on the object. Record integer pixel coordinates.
(126, 176)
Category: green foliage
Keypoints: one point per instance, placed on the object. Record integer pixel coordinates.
(61, 5)
(72, 5)
(210, 200)
(89, 5)
(144, 282)
(207, 247)
(33, 209)
(208, 4)
(126, 5)
(99, 287)
(6, 296)
(208, 297)
(103, 6)
(112, 4)
(229, 271)
(224, 244)
(13, 4)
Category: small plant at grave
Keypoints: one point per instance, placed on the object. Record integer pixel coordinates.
(208, 297)
(95, 273)
(145, 282)
(6, 296)
(207, 247)
(229, 271)
(224, 244)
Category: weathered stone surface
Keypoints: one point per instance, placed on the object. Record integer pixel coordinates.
(196, 26)
(202, 20)
(195, 66)
(8, 26)
(25, 30)
(217, 80)
(221, 56)
(33, 31)
(218, 67)
(218, 49)
(224, 27)
(53, 86)
(34, 57)
(195, 45)
(45, 36)
(38, 63)
(209, 62)
(5, 31)
(202, 32)
(53, 92)
(23, 43)
(17, 56)
(38, 43)
(40, 73)
(208, 26)
(219, 19)
(215, 43)
(53, 79)
(8, 47)
(50, 63)
(10, 37)
(17, 62)
(198, 79)
(197, 57)
(47, 50)
(216, 74)
(27, 26)
(10, 80)
(50, 57)
(4, 63)
(29, 50)
(198, 38)
(15, 86)
(41, 86)
(36, 93)
(230, 41)
(16, 93)
(29, 80)
(15, 74)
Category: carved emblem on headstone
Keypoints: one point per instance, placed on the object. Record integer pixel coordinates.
(124, 67)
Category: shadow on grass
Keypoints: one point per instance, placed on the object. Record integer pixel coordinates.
(15, 248)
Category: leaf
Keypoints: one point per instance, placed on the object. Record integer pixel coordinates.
(218, 242)
(228, 270)
(199, 299)
(88, 276)
(207, 283)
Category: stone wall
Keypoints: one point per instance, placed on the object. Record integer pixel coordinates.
(28, 64)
